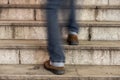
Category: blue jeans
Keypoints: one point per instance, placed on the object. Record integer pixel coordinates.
(55, 48)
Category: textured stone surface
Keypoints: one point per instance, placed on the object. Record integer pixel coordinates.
(101, 57)
(85, 14)
(33, 56)
(78, 2)
(82, 14)
(6, 32)
(69, 56)
(16, 14)
(104, 33)
(73, 72)
(114, 2)
(92, 2)
(3, 1)
(30, 33)
(9, 57)
(27, 1)
(34, 72)
(98, 71)
(115, 57)
(91, 57)
(39, 56)
(82, 57)
(40, 14)
(83, 54)
(108, 15)
(41, 33)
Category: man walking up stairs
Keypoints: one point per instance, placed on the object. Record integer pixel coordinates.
(24, 47)
(57, 57)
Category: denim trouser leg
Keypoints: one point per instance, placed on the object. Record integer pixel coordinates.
(55, 48)
(72, 25)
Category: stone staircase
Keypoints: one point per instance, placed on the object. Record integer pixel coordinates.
(23, 41)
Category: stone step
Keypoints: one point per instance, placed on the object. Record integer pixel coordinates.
(89, 30)
(23, 14)
(40, 14)
(78, 2)
(62, 23)
(43, 6)
(36, 44)
(35, 52)
(76, 72)
(95, 11)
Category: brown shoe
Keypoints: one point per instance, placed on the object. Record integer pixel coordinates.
(72, 39)
(53, 69)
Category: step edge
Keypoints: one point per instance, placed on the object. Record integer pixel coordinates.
(40, 44)
(42, 6)
(62, 23)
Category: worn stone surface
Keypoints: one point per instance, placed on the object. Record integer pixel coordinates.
(39, 56)
(40, 14)
(100, 72)
(114, 2)
(33, 56)
(69, 56)
(101, 57)
(3, 1)
(105, 33)
(82, 57)
(115, 57)
(9, 57)
(81, 14)
(41, 33)
(6, 32)
(35, 72)
(27, 1)
(108, 15)
(30, 33)
(17, 14)
(77, 72)
(92, 2)
(91, 57)
(78, 2)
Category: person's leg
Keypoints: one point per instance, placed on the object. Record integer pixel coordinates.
(73, 28)
(72, 25)
(55, 48)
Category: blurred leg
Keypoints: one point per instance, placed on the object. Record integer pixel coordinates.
(72, 25)
(55, 48)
